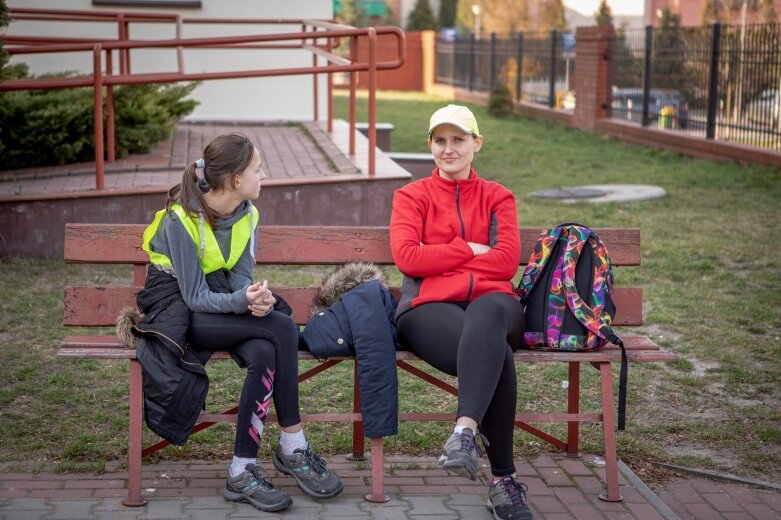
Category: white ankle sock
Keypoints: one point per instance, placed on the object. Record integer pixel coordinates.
(239, 463)
(459, 429)
(290, 442)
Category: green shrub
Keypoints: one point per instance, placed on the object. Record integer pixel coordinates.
(500, 101)
(40, 128)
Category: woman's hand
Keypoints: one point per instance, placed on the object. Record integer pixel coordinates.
(261, 301)
(478, 249)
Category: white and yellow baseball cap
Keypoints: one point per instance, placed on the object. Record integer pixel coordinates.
(456, 115)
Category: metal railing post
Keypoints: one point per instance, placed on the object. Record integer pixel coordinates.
(110, 117)
(713, 84)
(372, 99)
(519, 67)
(471, 61)
(314, 78)
(353, 76)
(97, 85)
(493, 61)
(649, 41)
(552, 80)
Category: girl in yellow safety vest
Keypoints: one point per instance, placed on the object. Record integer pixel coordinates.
(205, 240)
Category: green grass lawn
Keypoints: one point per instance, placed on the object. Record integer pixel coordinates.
(712, 289)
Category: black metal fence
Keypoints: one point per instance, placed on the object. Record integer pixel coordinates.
(545, 62)
(719, 82)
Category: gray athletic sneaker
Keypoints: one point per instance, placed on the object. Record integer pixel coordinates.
(254, 486)
(507, 500)
(310, 472)
(460, 454)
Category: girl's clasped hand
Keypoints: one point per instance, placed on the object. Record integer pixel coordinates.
(261, 301)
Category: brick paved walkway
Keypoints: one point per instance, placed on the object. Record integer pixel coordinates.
(559, 489)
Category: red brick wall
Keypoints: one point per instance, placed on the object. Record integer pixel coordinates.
(408, 77)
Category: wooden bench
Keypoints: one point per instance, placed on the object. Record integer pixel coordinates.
(98, 306)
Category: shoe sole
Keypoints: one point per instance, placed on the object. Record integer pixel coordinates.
(461, 468)
(492, 510)
(232, 496)
(283, 469)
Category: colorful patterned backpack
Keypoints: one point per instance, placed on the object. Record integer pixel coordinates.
(567, 293)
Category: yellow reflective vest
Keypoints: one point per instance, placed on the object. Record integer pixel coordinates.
(209, 254)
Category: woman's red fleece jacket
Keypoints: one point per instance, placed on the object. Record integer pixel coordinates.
(432, 221)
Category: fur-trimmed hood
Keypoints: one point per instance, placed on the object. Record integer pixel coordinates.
(344, 278)
(128, 318)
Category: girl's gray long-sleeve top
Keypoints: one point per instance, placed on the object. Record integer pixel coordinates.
(173, 241)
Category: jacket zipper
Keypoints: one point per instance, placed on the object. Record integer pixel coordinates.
(181, 357)
(463, 234)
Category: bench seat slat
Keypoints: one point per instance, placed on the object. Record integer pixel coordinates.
(639, 348)
(296, 245)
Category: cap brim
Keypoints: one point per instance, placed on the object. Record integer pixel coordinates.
(463, 129)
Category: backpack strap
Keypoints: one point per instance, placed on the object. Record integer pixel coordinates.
(579, 236)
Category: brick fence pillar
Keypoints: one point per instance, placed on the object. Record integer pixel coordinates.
(592, 75)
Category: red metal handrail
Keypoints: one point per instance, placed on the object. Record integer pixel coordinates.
(310, 38)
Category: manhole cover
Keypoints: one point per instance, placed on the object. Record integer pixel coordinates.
(569, 193)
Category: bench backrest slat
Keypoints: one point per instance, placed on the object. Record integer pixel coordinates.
(99, 306)
(298, 245)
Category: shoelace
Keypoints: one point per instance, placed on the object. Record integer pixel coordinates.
(317, 463)
(515, 490)
(260, 476)
(469, 443)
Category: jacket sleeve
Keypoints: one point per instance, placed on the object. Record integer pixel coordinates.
(501, 262)
(412, 257)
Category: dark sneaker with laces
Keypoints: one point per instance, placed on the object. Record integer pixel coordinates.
(254, 487)
(310, 472)
(460, 454)
(507, 500)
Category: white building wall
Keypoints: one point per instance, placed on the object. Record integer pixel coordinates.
(253, 99)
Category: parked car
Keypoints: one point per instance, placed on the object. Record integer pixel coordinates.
(765, 108)
(628, 103)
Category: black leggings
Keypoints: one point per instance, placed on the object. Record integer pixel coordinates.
(268, 347)
(474, 342)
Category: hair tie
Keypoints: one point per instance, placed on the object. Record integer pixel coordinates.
(200, 178)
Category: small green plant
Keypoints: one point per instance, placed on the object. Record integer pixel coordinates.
(500, 102)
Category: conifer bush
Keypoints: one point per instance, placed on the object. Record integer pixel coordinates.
(42, 128)
(500, 102)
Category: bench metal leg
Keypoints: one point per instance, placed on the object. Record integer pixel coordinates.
(134, 438)
(573, 406)
(359, 448)
(608, 426)
(378, 473)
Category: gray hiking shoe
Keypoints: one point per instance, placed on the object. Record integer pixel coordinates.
(254, 487)
(507, 500)
(310, 472)
(460, 454)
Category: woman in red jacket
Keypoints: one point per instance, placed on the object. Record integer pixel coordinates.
(455, 238)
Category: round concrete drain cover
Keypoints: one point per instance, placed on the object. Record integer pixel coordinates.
(569, 193)
(603, 193)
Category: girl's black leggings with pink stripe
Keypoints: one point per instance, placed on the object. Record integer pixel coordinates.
(268, 347)
(475, 342)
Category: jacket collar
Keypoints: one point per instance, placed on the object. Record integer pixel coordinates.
(450, 186)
